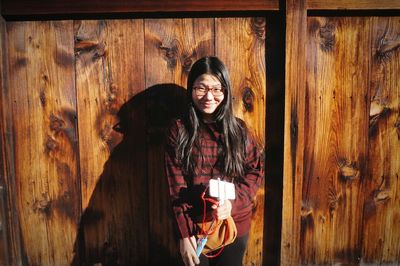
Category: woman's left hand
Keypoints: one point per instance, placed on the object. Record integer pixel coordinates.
(222, 212)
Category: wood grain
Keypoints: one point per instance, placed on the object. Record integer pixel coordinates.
(381, 213)
(11, 224)
(110, 71)
(295, 85)
(353, 4)
(171, 48)
(42, 96)
(5, 250)
(335, 140)
(110, 178)
(47, 7)
(240, 44)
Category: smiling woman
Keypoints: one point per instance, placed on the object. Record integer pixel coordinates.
(210, 143)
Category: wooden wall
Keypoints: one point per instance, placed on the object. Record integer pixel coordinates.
(342, 141)
(353, 93)
(339, 190)
(84, 109)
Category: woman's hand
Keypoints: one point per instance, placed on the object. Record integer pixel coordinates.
(223, 211)
(188, 248)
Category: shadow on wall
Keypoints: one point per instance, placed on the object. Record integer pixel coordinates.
(129, 220)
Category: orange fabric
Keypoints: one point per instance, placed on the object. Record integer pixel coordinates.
(225, 233)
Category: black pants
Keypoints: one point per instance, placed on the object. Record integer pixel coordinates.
(232, 255)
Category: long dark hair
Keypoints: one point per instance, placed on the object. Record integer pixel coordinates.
(233, 129)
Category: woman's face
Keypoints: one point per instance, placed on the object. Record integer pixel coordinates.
(207, 94)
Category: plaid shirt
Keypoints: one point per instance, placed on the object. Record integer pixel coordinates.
(185, 191)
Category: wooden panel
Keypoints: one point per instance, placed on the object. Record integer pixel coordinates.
(295, 85)
(353, 4)
(381, 233)
(10, 223)
(4, 249)
(110, 71)
(42, 93)
(240, 43)
(336, 133)
(26, 7)
(172, 46)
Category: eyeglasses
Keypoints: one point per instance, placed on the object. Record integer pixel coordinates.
(215, 90)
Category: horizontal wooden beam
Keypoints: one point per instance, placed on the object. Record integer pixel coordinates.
(12, 8)
(353, 4)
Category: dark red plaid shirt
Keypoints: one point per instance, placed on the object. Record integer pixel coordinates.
(185, 191)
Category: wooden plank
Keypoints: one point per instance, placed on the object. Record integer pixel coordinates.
(381, 235)
(335, 140)
(42, 97)
(4, 249)
(353, 4)
(296, 23)
(10, 224)
(4, 239)
(240, 44)
(4, 260)
(172, 46)
(48, 7)
(109, 72)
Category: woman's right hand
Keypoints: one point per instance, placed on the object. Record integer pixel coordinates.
(188, 248)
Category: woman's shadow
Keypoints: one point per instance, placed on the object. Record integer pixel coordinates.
(129, 220)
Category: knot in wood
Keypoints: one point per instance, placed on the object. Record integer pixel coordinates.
(306, 211)
(56, 124)
(381, 196)
(187, 63)
(100, 51)
(348, 170)
(377, 111)
(171, 53)
(327, 37)
(43, 205)
(386, 48)
(248, 99)
(84, 46)
(376, 108)
(51, 144)
(42, 97)
(258, 27)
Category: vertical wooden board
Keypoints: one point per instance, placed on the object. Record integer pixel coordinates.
(335, 139)
(4, 245)
(42, 93)
(240, 44)
(11, 222)
(381, 234)
(172, 46)
(109, 73)
(295, 85)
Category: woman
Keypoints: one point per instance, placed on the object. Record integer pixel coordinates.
(209, 142)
